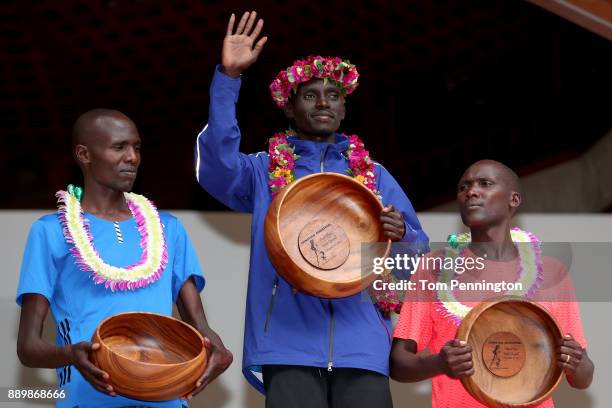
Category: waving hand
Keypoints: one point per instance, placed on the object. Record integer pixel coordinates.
(240, 50)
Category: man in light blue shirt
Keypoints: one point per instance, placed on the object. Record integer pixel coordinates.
(55, 275)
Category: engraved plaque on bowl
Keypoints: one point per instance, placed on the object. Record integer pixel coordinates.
(515, 343)
(324, 244)
(503, 353)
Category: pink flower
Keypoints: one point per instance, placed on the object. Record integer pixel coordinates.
(343, 73)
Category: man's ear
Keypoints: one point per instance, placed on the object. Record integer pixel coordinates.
(81, 154)
(288, 109)
(515, 200)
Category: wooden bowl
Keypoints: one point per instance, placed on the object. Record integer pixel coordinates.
(514, 343)
(314, 231)
(148, 356)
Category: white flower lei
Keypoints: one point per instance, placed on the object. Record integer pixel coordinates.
(530, 273)
(152, 241)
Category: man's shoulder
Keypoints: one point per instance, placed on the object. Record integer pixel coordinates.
(49, 219)
(382, 170)
(554, 268)
(169, 221)
(259, 161)
(48, 232)
(262, 155)
(172, 224)
(167, 216)
(49, 223)
(378, 164)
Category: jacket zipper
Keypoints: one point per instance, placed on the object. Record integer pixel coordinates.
(330, 358)
(271, 306)
(323, 159)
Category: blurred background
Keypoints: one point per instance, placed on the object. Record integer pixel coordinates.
(443, 83)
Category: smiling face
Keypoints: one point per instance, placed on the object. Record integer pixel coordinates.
(317, 109)
(109, 152)
(487, 194)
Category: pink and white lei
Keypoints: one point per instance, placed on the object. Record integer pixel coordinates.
(531, 272)
(152, 241)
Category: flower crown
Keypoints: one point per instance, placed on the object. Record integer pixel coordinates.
(341, 72)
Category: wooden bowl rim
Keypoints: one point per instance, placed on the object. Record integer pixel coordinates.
(462, 334)
(103, 344)
(355, 183)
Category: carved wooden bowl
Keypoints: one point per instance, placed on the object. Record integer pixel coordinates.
(148, 356)
(514, 344)
(314, 231)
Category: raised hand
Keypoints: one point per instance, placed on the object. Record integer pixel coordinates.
(393, 223)
(238, 51)
(455, 359)
(79, 357)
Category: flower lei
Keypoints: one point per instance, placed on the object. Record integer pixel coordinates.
(282, 162)
(152, 241)
(341, 72)
(361, 168)
(531, 272)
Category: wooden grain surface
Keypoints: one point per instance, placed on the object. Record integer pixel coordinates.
(538, 334)
(148, 356)
(325, 199)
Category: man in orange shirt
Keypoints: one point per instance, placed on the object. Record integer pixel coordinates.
(488, 195)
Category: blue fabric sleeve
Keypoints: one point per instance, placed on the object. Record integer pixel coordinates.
(221, 169)
(392, 193)
(38, 270)
(185, 264)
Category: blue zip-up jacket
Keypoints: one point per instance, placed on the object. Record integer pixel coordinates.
(282, 327)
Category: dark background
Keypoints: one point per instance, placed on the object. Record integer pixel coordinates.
(443, 83)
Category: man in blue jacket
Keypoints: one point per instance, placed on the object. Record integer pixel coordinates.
(312, 352)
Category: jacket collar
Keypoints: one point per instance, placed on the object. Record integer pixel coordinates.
(306, 148)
